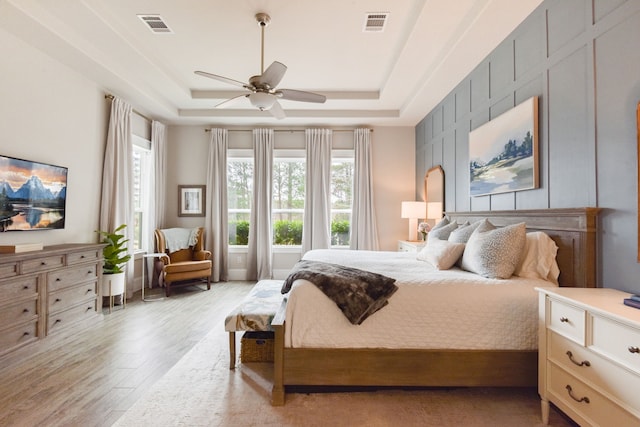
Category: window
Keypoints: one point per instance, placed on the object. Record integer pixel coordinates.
(341, 196)
(287, 210)
(140, 164)
(239, 195)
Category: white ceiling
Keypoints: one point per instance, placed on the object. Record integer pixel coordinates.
(388, 78)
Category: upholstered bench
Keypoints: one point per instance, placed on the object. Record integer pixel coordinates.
(254, 313)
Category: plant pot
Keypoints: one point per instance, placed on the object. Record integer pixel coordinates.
(113, 284)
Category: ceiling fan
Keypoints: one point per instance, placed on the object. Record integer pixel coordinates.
(264, 94)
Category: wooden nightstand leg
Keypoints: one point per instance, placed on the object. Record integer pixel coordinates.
(544, 405)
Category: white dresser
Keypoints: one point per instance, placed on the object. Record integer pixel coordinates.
(410, 246)
(589, 356)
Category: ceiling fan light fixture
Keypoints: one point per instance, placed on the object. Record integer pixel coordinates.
(262, 100)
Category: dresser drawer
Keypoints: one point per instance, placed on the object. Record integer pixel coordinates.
(61, 320)
(567, 320)
(70, 276)
(19, 288)
(595, 370)
(597, 411)
(18, 336)
(8, 269)
(19, 313)
(42, 264)
(84, 256)
(68, 297)
(616, 341)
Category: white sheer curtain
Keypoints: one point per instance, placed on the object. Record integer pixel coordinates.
(259, 256)
(117, 175)
(316, 232)
(156, 191)
(217, 216)
(364, 232)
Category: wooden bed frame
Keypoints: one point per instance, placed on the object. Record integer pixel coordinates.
(574, 231)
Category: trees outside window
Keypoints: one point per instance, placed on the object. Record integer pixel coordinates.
(288, 200)
(239, 195)
(288, 192)
(341, 199)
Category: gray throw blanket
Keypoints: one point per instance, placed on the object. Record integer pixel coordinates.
(358, 293)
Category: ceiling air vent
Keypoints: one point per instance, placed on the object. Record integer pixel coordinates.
(155, 23)
(375, 21)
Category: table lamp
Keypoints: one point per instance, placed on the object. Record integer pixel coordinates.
(413, 211)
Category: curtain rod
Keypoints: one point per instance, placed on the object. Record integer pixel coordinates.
(288, 130)
(109, 96)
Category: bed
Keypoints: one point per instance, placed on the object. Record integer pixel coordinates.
(486, 362)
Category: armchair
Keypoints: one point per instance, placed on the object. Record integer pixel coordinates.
(192, 262)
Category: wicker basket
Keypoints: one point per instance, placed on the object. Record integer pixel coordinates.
(257, 347)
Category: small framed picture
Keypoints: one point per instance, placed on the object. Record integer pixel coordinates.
(191, 200)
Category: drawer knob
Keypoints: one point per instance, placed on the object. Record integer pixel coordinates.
(25, 287)
(43, 263)
(634, 350)
(583, 363)
(564, 319)
(26, 310)
(584, 399)
(57, 279)
(81, 256)
(57, 299)
(58, 321)
(26, 334)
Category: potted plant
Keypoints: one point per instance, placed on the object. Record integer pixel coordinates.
(115, 257)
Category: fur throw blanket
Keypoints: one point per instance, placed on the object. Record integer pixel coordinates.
(358, 293)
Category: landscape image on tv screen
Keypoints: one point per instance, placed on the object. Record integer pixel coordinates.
(33, 195)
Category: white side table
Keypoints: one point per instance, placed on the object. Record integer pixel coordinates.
(144, 267)
(410, 246)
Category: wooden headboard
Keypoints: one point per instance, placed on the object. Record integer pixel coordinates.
(575, 231)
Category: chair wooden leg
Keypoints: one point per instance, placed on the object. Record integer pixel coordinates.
(208, 282)
(167, 289)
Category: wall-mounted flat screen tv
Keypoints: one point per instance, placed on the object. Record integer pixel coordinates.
(33, 195)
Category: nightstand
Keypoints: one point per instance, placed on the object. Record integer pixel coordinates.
(589, 361)
(410, 246)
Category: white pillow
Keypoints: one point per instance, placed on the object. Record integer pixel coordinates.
(442, 232)
(539, 259)
(444, 221)
(442, 254)
(463, 232)
(495, 253)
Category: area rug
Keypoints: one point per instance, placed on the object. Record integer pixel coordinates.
(201, 390)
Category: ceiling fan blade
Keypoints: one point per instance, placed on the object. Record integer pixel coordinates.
(222, 79)
(300, 95)
(273, 74)
(277, 111)
(231, 101)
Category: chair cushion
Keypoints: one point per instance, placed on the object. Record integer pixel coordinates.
(186, 266)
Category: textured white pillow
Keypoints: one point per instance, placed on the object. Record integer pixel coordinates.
(444, 221)
(495, 253)
(463, 232)
(442, 254)
(539, 259)
(443, 231)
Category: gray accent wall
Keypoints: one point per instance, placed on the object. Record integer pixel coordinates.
(582, 59)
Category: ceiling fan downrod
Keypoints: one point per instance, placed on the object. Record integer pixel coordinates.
(263, 20)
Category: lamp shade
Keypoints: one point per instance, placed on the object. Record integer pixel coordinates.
(413, 210)
(434, 210)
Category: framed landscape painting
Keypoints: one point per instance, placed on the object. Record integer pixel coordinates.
(503, 153)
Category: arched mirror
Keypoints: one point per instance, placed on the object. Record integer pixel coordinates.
(434, 194)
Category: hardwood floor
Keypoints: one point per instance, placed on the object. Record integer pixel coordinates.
(91, 377)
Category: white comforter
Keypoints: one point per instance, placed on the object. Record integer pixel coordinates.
(432, 309)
